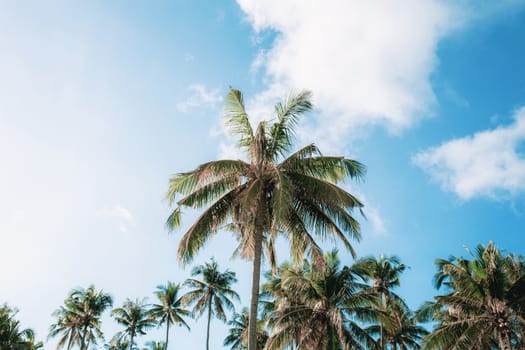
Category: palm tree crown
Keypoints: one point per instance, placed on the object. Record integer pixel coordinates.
(170, 310)
(237, 337)
(213, 294)
(11, 336)
(319, 307)
(79, 319)
(135, 318)
(485, 304)
(268, 196)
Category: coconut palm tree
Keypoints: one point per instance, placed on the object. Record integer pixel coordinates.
(79, 319)
(237, 337)
(135, 318)
(156, 345)
(170, 310)
(11, 336)
(212, 294)
(384, 274)
(484, 307)
(117, 343)
(268, 195)
(320, 307)
(400, 329)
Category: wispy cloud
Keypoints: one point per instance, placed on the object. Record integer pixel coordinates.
(486, 164)
(120, 214)
(200, 97)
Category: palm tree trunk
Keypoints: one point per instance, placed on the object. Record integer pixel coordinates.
(256, 276)
(507, 340)
(208, 329)
(167, 334)
(82, 339)
(131, 340)
(381, 344)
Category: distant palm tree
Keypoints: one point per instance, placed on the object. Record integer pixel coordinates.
(484, 307)
(135, 318)
(237, 337)
(155, 345)
(170, 310)
(319, 307)
(269, 196)
(212, 295)
(117, 343)
(11, 336)
(79, 319)
(400, 330)
(384, 273)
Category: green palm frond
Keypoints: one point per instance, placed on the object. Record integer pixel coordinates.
(237, 118)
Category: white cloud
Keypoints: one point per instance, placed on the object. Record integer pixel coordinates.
(376, 220)
(486, 164)
(200, 97)
(122, 215)
(366, 62)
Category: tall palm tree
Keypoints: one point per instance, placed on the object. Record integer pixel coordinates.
(237, 337)
(11, 336)
(170, 310)
(484, 307)
(269, 195)
(384, 274)
(320, 307)
(212, 295)
(135, 318)
(79, 319)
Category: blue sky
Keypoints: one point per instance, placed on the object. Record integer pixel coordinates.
(101, 102)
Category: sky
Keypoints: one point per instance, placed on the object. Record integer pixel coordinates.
(101, 102)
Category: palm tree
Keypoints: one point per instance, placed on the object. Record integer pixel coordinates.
(135, 318)
(11, 336)
(320, 307)
(170, 310)
(238, 334)
(485, 304)
(156, 345)
(384, 273)
(79, 319)
(400, 329)
(212, 295)
(117, 343)
(268, 196)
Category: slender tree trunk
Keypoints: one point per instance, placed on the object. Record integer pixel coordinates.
(167, 334)
(208, 329)
(256, 275)
(83, 338)
(381, 346)
(131, 340)
(507, 340)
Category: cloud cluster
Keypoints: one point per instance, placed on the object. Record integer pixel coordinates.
(488, 163)
(366, 62)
